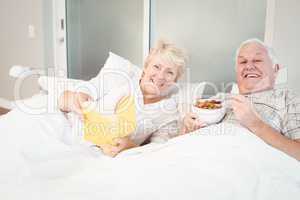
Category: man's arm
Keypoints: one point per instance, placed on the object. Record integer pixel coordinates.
(247, 117)
(277, 140)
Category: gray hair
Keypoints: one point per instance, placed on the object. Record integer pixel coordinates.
(269, 49)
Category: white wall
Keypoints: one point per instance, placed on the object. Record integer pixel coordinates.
(210, 31)
(16, 47)
(286, 40)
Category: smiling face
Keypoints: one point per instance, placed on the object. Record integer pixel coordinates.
(159, 75)
(255, 71)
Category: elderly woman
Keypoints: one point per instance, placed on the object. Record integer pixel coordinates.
(153, 88)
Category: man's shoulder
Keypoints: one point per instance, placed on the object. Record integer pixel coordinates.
(278, 97)
(290, 96)
(280, 92)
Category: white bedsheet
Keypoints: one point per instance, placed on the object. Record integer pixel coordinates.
(217, 162)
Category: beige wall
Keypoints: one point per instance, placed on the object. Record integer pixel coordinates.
(210, 31)
(286, 39)
(16, 47)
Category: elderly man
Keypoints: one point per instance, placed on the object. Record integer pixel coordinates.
(271, 113)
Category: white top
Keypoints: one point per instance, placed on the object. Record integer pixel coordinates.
(157, 119)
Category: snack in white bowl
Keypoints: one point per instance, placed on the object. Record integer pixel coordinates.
(209, 111)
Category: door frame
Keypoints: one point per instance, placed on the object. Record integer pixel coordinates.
(59, 38)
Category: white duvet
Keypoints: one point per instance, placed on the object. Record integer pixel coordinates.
(218, 162)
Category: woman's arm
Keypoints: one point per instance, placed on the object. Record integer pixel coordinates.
(190, 123)
(71, 101)
(165, 132)
(178, 127)
(121, 145)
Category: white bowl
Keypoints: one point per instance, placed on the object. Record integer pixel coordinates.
(210, 116)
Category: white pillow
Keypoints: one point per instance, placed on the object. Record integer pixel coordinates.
(50, 83)
(115, 71)
(110, 72)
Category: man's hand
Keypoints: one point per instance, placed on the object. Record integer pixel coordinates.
(191, 122)
(244, 112)
(71, 101)
(121, 145)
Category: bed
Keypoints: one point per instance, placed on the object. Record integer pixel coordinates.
(221, 161)
(218, 162)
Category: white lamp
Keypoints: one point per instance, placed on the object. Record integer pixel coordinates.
(18, 71)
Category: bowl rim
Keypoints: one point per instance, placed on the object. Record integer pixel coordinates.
(208, 111)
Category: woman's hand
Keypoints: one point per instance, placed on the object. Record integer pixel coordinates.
(121, 145)
(71, 101)
(244, 112)
(191, 122)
